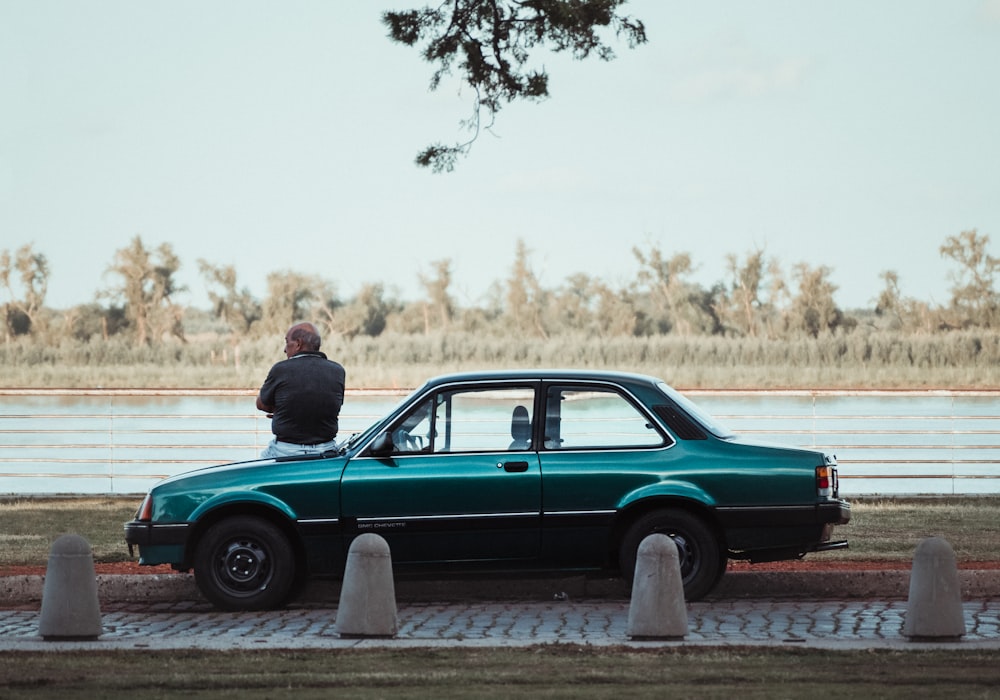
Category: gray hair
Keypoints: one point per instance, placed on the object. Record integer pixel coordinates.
(307, 335)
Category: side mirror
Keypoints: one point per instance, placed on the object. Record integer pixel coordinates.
(381, 446)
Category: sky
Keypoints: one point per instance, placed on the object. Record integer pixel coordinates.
(271, 136)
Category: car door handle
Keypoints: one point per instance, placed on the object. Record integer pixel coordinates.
(514, 466)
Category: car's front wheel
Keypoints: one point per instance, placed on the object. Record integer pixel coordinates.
(701, 558)
(245, 563)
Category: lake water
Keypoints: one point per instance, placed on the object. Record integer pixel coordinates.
(119, 443)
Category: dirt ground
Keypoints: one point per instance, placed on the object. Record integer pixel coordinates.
(133, 568)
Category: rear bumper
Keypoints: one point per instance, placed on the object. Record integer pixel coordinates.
(824, 513)
(780, 533)
(835, 512)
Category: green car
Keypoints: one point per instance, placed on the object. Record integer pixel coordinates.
(499, 472)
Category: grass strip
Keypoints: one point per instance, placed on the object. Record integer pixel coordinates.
(545, 671)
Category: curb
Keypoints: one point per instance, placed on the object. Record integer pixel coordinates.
(152, 589)
(888, 584)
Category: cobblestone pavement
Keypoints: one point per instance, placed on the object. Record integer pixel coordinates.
(831, 624)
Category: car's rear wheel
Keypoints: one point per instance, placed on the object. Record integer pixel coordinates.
(701, 558)
(245, 563)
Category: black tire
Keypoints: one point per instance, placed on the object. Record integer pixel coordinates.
(701, 558)
(245, 563)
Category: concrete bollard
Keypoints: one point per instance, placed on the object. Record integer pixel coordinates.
(657, 610)
(934, 607)
(367, 596)
(70, 608)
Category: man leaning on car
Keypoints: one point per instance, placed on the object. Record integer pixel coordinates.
(302, 395)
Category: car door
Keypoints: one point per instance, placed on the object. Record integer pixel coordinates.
(597, 446)
(462, 482)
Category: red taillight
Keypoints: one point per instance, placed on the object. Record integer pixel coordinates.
(823, 477)
(826, 481)
(146, 509)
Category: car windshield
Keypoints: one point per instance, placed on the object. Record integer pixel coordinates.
(355, 438)
(706, 420)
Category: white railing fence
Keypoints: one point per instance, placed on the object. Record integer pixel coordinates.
(123, 441)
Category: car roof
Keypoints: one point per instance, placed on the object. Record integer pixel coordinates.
(543, 374)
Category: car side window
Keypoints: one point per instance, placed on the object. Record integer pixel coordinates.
(577, 418)
(474, 420)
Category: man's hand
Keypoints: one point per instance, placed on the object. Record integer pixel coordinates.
(261, 406)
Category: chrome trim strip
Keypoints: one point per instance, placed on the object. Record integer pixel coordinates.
(770, 509)
(315, 521)
(456, 516)
(482, 516)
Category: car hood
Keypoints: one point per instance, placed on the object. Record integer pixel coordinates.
(258, 470)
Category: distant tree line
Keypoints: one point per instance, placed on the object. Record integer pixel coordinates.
(757, 300)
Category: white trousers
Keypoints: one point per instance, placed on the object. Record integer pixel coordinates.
(276, 448)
